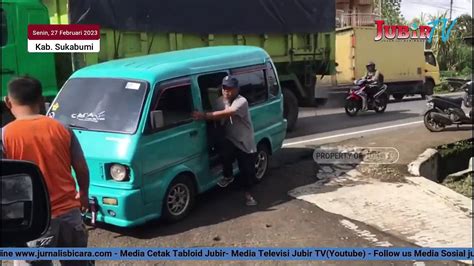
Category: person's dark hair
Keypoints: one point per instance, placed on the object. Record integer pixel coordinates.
(25, 90)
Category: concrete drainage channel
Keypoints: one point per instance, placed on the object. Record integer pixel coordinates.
(412, 207)
(450, 165)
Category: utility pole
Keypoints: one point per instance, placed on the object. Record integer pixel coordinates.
(451, 10)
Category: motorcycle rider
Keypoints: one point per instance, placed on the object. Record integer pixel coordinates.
(374, 80)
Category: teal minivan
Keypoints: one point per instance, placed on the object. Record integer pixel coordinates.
(147, 157)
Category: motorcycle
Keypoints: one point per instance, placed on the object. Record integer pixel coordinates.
(445, 111)
(456, 84)
(467, 88)
(357, 99)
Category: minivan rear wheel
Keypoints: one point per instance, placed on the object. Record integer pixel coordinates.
(262, 162)
(179, 198)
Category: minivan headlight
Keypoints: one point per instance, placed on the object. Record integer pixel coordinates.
(119, 172)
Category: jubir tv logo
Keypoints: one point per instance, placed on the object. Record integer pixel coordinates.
(414, 31)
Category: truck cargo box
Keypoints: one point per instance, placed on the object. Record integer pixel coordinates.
(298, 35)
(399, 61)
(301, 31)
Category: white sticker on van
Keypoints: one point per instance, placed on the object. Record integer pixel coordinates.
(132, 86)
(89, 117)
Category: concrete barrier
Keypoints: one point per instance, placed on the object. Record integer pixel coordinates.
(426, 165)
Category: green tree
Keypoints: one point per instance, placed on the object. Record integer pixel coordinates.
(464, 25)
(391, 11)
(454, 54)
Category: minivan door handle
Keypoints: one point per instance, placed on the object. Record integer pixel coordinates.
(7, 71)
(193, 133)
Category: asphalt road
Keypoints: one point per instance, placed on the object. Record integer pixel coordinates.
(324, 125)
(220, 217)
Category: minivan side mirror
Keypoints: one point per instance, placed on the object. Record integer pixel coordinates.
(157, 119)
(25, 205)
(47, 105)
(44, 108)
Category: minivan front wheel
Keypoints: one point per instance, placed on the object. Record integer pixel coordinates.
(261, 162)
(179, 198)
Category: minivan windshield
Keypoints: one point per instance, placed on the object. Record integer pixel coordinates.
(100, 104)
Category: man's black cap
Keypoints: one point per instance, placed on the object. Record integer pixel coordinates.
(230, 82)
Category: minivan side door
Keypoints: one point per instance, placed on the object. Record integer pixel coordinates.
(8, 47)
(180, 143)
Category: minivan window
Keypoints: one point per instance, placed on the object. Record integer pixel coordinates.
(430, 59)
(4, 37)
(100, 104)
(272, 81)
(253, 86)
(210, 88)
(176, 103)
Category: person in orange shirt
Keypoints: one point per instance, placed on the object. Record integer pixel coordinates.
(54, 148)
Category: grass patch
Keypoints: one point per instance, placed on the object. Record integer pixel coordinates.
(453, 149)
(462, 184)
(456, 74)
(442, 88)
(454, 157)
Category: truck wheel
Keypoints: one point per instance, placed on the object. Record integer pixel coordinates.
(321, 102)
(429, 88)
(179, 198)
(290, 108)
(398, 96)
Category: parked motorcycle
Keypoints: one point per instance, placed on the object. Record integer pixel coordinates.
(467, 88)
(445, 111)
(456, 84)
(357, 99)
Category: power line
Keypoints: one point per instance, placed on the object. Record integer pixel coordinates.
(458, 8)
(440, 7)
(429, 3)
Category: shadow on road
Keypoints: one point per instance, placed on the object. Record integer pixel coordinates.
(223, 204)
(407, 99)
(460, 128)
(330, 122)
(338, 100)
